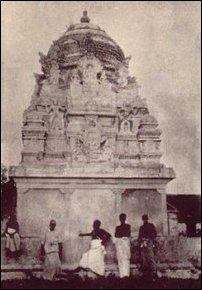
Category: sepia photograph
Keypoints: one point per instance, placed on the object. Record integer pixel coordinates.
(100, 145)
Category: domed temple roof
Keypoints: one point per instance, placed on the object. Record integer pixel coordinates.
(85, 38)
(86, 111)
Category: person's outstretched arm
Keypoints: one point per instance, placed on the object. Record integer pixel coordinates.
(85, 235)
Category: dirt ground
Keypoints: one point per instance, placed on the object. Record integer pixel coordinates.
(106, 283)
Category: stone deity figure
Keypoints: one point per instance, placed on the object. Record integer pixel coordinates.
(75, 79)
(54, 73)
(105, 94)
(107, 150)
(57, 117)
(45, 64)
(77, 149)
(55, 51)
(90, 80)
(90, 67)
(103, 79)
(123, 76)
(89, 74)
(45, 89)
(125, 127)
(76, 89)
(92, 140)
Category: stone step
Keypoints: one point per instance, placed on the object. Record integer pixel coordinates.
(169, 270)
(109, 267)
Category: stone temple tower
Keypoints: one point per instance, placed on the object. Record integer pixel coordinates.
(90, 146)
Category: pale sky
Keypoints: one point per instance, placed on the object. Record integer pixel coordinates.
(163, 38)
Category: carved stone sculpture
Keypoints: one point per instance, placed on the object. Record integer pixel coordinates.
(57, 123)
(87, 96)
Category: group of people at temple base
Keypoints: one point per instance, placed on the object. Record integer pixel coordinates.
(93, 259)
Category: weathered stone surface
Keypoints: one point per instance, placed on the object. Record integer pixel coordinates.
(90, 145)
(68, 97)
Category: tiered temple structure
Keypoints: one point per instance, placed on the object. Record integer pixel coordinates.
(90, 145)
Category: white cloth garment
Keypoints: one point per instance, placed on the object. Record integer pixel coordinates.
(123, 256)
(94, 258)
(51, 241)
(12, 240)
(52, 264)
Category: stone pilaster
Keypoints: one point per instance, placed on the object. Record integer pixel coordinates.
(162, 191)
(118, 203)
(20, 195)
(67, 199)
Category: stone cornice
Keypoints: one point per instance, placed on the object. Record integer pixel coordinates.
(123, 173)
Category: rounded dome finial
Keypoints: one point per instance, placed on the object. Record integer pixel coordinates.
(85, 18)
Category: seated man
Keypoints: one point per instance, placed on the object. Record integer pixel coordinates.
(12, 238)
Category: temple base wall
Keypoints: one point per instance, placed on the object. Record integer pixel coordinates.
(75, 203)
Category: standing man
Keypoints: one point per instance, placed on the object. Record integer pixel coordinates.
(146, 239)
(122, 235)
(51, 247)
(93, 259)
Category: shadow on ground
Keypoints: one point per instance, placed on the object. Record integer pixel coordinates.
(101, 283)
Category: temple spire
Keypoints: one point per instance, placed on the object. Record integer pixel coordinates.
(85, 18)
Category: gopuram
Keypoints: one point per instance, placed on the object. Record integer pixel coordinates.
(90, 145)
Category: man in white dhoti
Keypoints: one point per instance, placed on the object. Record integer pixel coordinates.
(122, 235)
(51, 247)
(12, 238)
(94, 258)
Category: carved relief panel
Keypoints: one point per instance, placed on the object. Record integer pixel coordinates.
(57, 118)
(92, 137)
